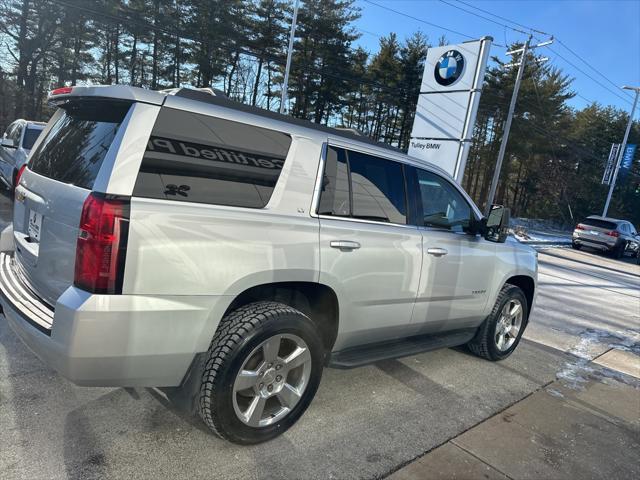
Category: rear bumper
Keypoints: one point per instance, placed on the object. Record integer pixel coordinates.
(119, 340)
(597, 244)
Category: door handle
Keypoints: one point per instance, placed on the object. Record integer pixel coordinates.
(344, 244)
(437, 252)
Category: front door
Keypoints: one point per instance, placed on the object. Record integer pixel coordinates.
(457, 268)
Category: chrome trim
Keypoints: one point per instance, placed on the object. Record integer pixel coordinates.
(360, 220)
(20, 296)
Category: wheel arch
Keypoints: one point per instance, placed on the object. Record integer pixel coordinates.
(528, 287)
(316, 300)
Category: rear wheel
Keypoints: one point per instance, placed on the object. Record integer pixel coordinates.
(575, 246)
(618, 251)
(263, 369)
(500, 333)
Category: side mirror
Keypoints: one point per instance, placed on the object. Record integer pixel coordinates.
(497, 224)
(7, 142)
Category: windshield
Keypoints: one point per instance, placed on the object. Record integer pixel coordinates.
(75, 147)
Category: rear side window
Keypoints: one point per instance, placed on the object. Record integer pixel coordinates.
(363, 186)
(30, 137)
(197, 158)
(594, 222)
(75, 147)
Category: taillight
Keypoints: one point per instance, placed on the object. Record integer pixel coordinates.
(579, 227)
(19, 175)
(61, 91)
(613, 233)
(102, 244)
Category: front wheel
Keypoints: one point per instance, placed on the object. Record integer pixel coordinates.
(263, 369)
(500, 333)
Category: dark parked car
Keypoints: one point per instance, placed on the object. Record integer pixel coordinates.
(617, 237)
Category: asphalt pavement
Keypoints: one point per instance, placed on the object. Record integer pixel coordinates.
(364, 423)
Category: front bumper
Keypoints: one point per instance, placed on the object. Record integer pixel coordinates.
(117, 340)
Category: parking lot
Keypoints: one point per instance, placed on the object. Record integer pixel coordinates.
(364, 423)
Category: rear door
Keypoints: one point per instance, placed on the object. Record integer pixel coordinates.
(369, 254)
(49, 200)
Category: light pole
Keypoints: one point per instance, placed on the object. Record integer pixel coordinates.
(285, 86)
(622, 149)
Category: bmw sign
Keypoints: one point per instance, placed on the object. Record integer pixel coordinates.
(449, 68)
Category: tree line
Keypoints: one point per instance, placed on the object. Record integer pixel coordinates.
(555, 155)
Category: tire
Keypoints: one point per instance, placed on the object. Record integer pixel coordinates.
(240, 339)
(618, 251)
(485, 344)
(575, 246)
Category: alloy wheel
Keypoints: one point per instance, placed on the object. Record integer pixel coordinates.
(272, 380)
(509, 324)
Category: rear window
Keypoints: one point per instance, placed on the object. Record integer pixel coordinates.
(198, 158)
(592, 222)
(75, 147)
(30, 137)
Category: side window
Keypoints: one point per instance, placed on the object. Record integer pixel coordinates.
(633, 229)
(377, 187)
(362, 186)
(198, 158)
(440, 204)
(334, 198)
(625, 228)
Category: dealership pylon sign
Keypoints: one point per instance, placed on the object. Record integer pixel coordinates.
(448, 103)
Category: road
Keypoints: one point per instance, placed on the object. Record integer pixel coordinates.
(364, 423)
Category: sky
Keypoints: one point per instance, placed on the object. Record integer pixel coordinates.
(604, 33)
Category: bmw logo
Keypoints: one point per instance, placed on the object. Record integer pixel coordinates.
(449, 67)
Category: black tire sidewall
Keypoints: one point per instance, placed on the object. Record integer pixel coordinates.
(512, 293)
(222, 405)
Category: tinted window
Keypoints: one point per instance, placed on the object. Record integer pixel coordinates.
(198, 158)
(30, 137)
(362, 186)
(440, 204)
(377, 188)
(594, 222)
(334, 197)
(73, 150)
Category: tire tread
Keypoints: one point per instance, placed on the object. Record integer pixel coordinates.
(480, 344)
(230, 333)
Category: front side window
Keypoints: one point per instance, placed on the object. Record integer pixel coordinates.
(362, 186)
(198, 158)
(440, 204)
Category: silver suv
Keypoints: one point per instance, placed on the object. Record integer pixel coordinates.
(179, 239)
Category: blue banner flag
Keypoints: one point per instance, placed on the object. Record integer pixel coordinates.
(627, 160)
